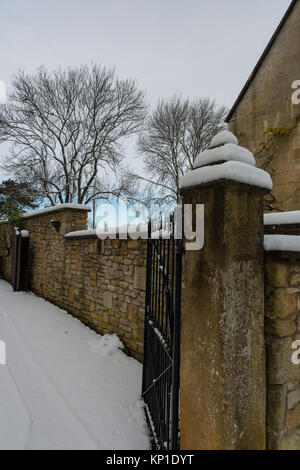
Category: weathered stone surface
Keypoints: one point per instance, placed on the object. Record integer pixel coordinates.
(293, 398)
(281, 328)
(289, 441)
(295, 280)
(107, 299)
(293, 418)
(276, 274)
(223, 391)
(280, 304)
(281, 370)
(139, 280)
(283, 408)
(276, 406)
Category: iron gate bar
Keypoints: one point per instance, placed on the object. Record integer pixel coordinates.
(176, 344)
(19, 278)
(162, 340)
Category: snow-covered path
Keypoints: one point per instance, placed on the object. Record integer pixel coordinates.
(64, 386)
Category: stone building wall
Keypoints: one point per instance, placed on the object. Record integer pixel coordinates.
(268, 104)
(282, 328)
(100, 282)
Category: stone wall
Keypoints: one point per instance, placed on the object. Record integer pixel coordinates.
(282, 328)
(5, 256)
(268, 104)
(103, 284)
(100, 282)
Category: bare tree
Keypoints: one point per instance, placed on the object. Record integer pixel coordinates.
(67, 128)
(175, 133)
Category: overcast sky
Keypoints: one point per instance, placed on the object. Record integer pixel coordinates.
(192, 47)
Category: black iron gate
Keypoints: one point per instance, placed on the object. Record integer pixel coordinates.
(20, 262)
(162, 341)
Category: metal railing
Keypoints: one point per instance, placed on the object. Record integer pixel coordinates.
(162, 340)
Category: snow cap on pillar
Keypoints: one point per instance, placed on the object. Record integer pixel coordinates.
(223, 148)
(226, 160)
(224, 137)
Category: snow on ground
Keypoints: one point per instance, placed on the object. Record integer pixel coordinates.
(64, 386)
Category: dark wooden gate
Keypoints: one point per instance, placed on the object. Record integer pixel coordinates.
(20, 263)
(162, 341)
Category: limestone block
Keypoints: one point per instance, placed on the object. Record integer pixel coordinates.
(139, 279)
(281, 328)
(107, 299)
(280, 304)
(289, 441)
(281, 370)
(295, 280)
(93, 274)
(276, 274)
(276, 407)
(293, 399)
(293, 418)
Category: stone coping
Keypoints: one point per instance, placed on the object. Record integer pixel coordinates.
(209, 184)
(55, 209)
(82, 234)
(282, 229)
(93, 236)
(271, 256)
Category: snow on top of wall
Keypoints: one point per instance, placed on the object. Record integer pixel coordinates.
(282, 243)
(224, 137)
(282, 218)
(121, 232)
(228, 152)
(232, 171)
(110, 232)
(82, 207)
(24, 234)
(81, 233)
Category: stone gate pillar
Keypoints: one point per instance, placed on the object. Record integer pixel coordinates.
(223, 370)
